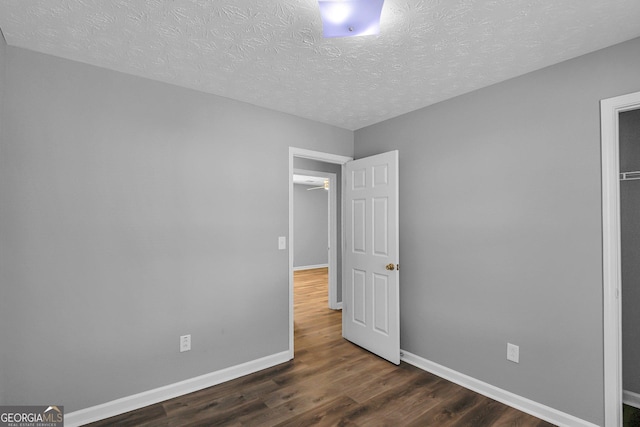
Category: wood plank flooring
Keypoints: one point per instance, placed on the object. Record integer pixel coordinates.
(330, 382)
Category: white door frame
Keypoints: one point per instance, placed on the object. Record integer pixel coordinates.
(332, 233)
(312, 155)
(612, 324)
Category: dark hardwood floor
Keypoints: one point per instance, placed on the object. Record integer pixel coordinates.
(331, 382)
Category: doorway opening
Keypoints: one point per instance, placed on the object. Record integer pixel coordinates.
(297, 159)
(611, 110)
(316, 227)
(629, 148)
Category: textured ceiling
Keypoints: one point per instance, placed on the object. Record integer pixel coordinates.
(271, 52)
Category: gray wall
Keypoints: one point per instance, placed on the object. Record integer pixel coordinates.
(128, 218)
(630, 243)
(311, 226)
(500, 228)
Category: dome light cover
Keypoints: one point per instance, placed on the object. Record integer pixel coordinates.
(348, 18)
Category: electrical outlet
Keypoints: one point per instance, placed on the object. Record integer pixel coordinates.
(185, 343)
(513, 353)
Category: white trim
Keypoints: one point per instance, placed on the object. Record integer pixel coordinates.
(332, 209)
(343, 241)
(313, 155)
(310, 267)
(611, 281)
(515, 401)
(146, 398)
(319, 156)
(630, 398)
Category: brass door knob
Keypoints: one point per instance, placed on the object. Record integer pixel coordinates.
(390, 267)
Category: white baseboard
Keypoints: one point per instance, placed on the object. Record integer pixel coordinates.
(630, 398)
(336, 306)
(146, 398)
(518, 402)
(310, 267)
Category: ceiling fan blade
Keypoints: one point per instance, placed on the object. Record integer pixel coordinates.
(324, 187)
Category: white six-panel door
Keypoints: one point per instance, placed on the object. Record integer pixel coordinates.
(371, 306)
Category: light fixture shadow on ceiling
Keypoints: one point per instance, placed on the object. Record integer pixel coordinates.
(349, 18)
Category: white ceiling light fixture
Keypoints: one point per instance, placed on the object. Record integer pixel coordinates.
(348, 18)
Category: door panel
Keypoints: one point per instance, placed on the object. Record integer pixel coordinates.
(380, 226)
(359, 290)
(381, 303)
(359, 222)
(371, 312)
